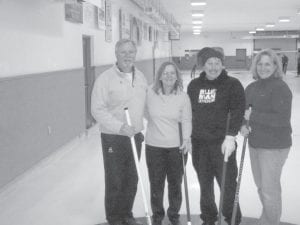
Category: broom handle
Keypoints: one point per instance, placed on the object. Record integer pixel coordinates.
(136, 160)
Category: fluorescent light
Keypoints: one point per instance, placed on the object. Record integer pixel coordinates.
(260, 29)
(198, 3)
(197, 22)
(197, 13)
(270, 25)
(284, 19)
(197, 27)
(252, 32)
(196, 31)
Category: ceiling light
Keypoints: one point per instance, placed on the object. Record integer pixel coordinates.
(197, 22)
(198, 3)
(197, 27)
(260, 29)
(252, 32)
(197, 13)
(270, 25)
(284, 19)
(196, 31)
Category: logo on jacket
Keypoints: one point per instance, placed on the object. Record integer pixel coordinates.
(110, 150)
(207, 95)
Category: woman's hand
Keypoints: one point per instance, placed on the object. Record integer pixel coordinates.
(247, 114)
(186, 146)
(245, 131)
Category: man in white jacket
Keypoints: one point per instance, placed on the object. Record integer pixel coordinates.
(121, 86)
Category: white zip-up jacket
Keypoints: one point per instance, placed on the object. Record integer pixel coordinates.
(112, 93)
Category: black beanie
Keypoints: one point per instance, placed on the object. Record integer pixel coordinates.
(205, 53)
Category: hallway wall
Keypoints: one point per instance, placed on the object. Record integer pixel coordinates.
(285, 46)
(42, 78)
(36, 38)
(227, 40)
(38, 115)
(230, 41)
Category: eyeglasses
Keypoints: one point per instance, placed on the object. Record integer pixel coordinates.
(125, 53)
(169, 73)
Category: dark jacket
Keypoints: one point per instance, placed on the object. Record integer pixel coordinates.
(271, 101)
(211, 101)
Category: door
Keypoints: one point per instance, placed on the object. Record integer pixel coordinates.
(89, 79)
(241, 58)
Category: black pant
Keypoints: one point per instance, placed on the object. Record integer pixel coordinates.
(284, 67)
(120, 175)
(165, 163)
(208, 163)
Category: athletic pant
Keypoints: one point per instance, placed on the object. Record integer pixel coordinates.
(120, 175)
(266, 167)
(208, 163)
(284, 67)
(165, 163)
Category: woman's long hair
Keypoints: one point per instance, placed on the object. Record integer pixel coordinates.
(275, 59)
(158, 86)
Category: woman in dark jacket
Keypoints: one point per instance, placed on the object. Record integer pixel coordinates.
(269, 132)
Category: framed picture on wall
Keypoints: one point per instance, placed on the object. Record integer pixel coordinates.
(155, 34)
(140, 29)
(124, 25)
(145, 31)
(101, 15)
(133, 29)
(108, 13)
(74, 12)
(150, 32)
(108, 34)
(135, 32)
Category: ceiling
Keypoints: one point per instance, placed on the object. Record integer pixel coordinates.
(236, 15)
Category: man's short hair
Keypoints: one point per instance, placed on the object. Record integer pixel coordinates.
(122, 42)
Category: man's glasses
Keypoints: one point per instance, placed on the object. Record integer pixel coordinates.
(125, 53)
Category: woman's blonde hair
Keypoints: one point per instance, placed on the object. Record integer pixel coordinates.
(158, 86)
(275, 59)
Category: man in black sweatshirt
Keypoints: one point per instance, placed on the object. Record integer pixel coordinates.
(214, 95)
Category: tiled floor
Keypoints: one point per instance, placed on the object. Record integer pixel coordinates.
(67, 188)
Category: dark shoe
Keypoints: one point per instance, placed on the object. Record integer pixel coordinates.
(175, 222)
(131, 221)
(116, 223)
(208, 223)
(156, 222)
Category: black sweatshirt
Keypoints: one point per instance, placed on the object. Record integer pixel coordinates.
(211, 101)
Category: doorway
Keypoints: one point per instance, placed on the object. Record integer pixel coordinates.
(89, 79)
(241, 58)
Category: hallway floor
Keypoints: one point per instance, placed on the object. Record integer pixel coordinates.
(67, 188)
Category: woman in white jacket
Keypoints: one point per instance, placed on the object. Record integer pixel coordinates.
(166, 106)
